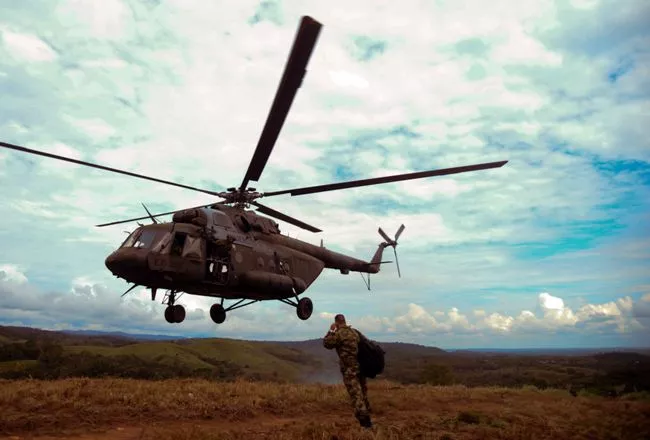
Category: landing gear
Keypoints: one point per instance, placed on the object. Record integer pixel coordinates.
(304, 307)
(218, 312)
(174, 313)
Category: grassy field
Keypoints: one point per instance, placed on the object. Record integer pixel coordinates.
(198, 409)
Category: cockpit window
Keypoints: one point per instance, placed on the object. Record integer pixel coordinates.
(142, 238)
(131, 238)
(145, 240)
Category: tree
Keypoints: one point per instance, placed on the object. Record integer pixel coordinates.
(436, 374)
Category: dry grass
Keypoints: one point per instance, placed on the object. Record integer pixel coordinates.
(195, 409)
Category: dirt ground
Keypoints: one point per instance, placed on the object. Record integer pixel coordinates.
(190, 409)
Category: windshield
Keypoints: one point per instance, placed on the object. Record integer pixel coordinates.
(143, 238)
(131, 238)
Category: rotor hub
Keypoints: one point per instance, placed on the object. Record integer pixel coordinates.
(240, 197)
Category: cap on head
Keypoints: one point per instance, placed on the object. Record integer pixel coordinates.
(339, 319)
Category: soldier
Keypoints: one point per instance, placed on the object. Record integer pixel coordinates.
(346, 341)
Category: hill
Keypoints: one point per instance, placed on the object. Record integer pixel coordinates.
(28, 352)
(136, 337)
(296, 361)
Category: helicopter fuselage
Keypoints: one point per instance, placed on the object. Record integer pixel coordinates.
(228, 253)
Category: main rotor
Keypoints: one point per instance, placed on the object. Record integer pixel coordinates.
(244, 196)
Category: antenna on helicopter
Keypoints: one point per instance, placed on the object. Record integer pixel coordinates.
(130, 289)
(153, 219)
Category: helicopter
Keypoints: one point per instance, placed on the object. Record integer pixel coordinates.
(227, 251)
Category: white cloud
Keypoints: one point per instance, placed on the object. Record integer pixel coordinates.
(105, 20)
(92, 305)
(26, 46)
(497, 321)
(96, 128)
(11, 273)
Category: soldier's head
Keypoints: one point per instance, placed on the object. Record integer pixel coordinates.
(339, 319)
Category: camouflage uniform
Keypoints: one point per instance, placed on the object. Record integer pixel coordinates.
(346, 342)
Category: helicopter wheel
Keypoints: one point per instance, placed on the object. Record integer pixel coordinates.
(304, 308)
(217, 313)
(175, 314)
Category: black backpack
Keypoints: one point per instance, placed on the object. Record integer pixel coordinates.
(370, 357)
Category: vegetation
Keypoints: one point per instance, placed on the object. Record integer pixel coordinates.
(201, 409)
(33, 353)
(53, 382)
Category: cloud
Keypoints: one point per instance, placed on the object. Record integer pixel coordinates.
(12, 274)
(555, 317)
(88, 305)
(27, 47)
(180, 91)
(641, 309)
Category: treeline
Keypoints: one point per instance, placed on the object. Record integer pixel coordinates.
(51, 361)
(608, 374)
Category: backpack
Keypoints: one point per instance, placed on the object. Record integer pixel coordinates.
(370, 357)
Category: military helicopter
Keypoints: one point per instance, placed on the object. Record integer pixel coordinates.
(225, 250)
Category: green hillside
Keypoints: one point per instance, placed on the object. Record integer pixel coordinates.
(28, 352)
(263, 360)
(25, 349)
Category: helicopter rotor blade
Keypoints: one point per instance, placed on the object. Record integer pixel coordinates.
(386, 179)
(384, 235)
(399, 232)
(152, 216)
(294, 72)
(273, 213)
(102, 167)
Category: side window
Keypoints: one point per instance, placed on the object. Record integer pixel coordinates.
(162, 243)
(192, 247)
(178, 243)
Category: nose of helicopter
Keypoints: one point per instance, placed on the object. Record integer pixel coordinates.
(124, 264)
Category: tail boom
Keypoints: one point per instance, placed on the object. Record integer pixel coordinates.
(335, 260)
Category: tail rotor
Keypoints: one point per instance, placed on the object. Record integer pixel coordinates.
(393, 243)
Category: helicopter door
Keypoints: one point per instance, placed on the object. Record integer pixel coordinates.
(179, 254)
(217, 262)
(191, 256)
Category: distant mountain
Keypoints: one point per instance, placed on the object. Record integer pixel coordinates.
(133, 336)
(558, 351)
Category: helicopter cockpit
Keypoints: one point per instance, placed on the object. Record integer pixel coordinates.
(144, 238)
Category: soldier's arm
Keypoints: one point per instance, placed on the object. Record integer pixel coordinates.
(330, 340)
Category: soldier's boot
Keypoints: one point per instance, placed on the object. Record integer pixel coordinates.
(364, 420)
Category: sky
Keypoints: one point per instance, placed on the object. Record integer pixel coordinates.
(551, 250)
